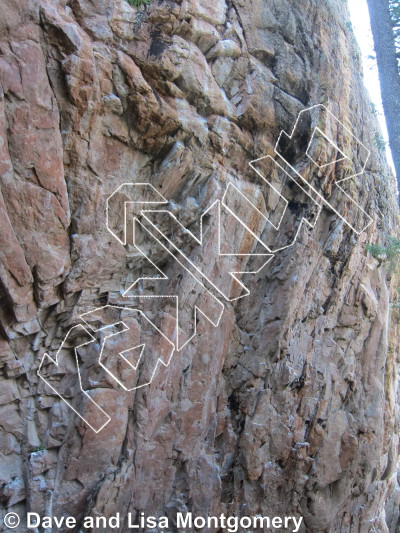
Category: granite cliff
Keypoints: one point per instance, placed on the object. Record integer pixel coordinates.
(289, 405)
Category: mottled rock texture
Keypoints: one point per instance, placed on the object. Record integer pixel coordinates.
(289, 406)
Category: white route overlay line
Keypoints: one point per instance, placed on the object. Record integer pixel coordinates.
(231, 185)
(159, 199)
(135, 367)
(126, 328)
(336, 184)
(277, 227)
(344, 156)
(56, 361)
(200, 241)
(178, 345)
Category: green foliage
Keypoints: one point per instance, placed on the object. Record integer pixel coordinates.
(38, 448)
(374, 109)
(394, 6)
(395, 11)
(390, 254)
(138, 3)
(380, 143)
(349, 26)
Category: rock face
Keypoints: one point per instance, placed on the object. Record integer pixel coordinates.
(288, 406)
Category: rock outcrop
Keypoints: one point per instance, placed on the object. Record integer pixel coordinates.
(289, 405)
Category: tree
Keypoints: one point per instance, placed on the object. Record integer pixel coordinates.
(385, 25)
(395, 14)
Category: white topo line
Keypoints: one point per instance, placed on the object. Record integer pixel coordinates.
(146, 196)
